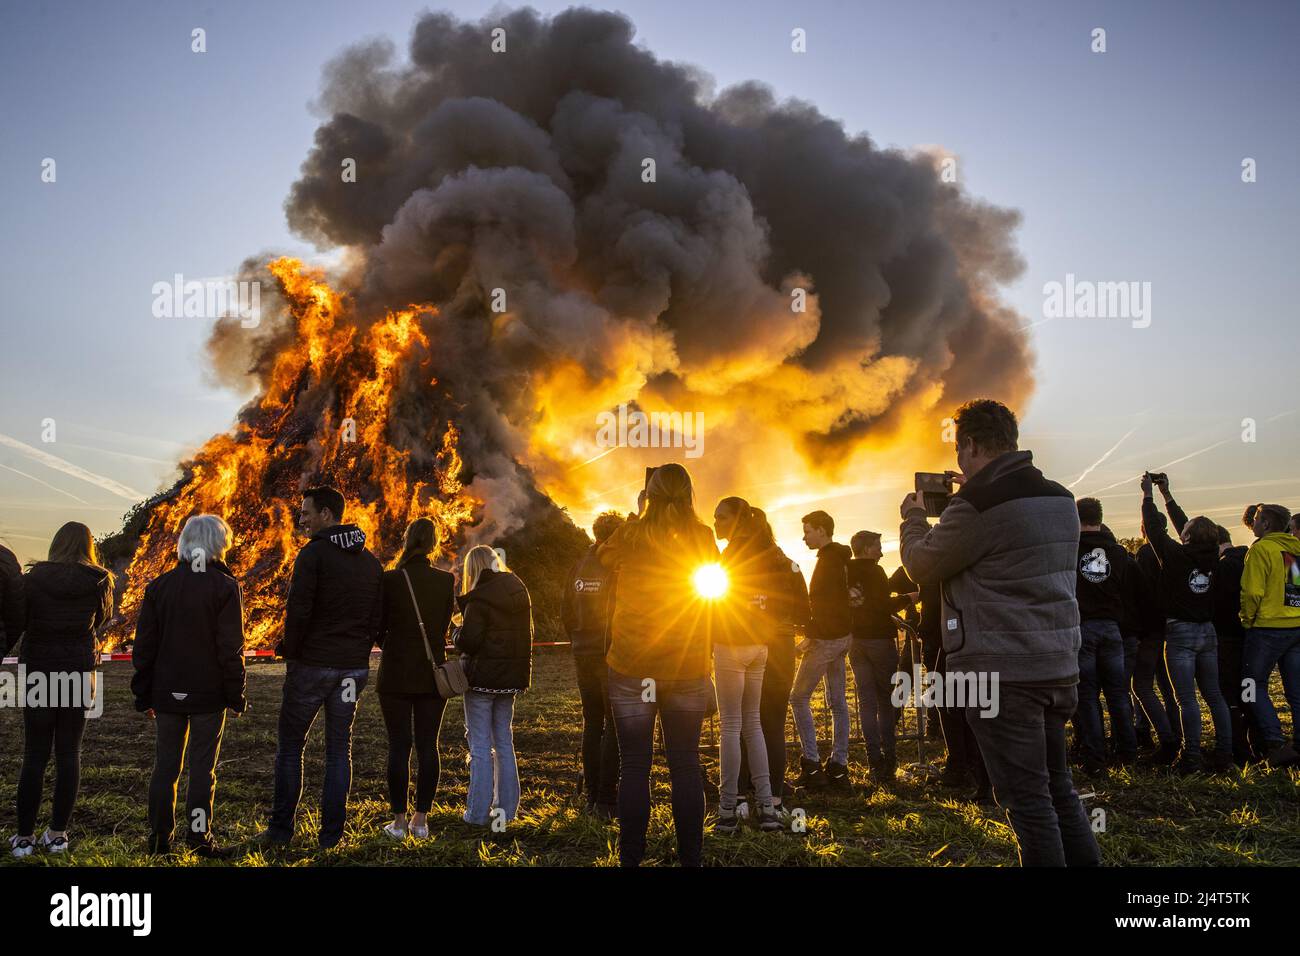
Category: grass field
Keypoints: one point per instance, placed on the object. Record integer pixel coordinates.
(1151, 819)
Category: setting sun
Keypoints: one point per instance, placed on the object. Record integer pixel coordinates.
(710, 581)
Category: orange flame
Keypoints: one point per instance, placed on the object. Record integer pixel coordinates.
(326, 412)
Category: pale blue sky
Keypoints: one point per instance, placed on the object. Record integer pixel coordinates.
(1125, 165)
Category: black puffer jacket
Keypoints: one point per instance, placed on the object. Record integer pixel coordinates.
(12, 612)
(335, 601)
(497, 633)
(65, 604)
(189, 642)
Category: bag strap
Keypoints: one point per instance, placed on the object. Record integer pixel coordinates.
(419, 618)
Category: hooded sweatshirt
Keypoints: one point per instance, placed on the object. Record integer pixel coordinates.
(1227, 593)
(828, 593)
(1102, 583)
(1186, 571)
(1270, 582)
(335, 603)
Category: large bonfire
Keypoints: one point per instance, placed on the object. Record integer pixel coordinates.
(324, 416)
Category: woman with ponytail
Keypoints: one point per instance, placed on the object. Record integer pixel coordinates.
(659, 658)
(418, 603)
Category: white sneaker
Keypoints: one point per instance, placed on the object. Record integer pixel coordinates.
(420, 833)
(21, 848)
(396, 832)
(742, 808)
(53, 844)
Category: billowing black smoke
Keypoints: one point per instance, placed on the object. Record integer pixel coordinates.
(522, 171)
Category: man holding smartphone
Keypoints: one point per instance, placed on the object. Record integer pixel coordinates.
(1004, 552)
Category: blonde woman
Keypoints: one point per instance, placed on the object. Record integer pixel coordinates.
(496, 639)
(68, 597)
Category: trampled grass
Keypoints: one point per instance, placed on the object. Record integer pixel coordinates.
(1151, 818)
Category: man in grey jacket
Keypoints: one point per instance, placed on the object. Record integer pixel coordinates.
(1004, 553)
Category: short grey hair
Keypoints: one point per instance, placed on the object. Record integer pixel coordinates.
(206, 533)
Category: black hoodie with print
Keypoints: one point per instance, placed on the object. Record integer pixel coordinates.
(335, 604)
(1102, 585)
(1186, 571)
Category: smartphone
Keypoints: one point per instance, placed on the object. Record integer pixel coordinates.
(648, 472)
(934, 490)
(1157, 477)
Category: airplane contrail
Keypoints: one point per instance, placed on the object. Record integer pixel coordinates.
(1110, 451)
(68, 468)
(45, 483)
(1176, 461)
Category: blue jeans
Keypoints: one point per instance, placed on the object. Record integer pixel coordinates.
(822, 659)
(493, 770)
(1024, 750)
(874, 662)
(1192, 656)
(307, 688)
(680, 706)
(738, 671)
(1102, 669)
(1262, 648)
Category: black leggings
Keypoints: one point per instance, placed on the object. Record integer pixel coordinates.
(400, 712)
(46, 728)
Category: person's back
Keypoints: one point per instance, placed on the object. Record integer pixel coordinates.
(1186, 570)
(335, 600)
(659, 627)
(12, 604)
(1007, 562)
(497, 634)
(404, 667)
(188, 652)
(65, 604)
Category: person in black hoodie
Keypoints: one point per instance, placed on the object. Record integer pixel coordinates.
(874, 598)
(189, 672)
(1155, 711)
(1191, 649)
(418, 604)
(830, 633)
(67, 599)
(1102, 592)
(588, 604)
(496, 639)
(1247, 741)
(332, 620)
(11, 600)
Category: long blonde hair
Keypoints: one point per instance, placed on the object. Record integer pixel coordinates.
(74, 544)
(479, 559)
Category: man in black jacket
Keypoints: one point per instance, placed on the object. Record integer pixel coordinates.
(332, 620)
(1101, 590)
(1247, 741)
(588, 604)
(12, 611)
(874, 597)
(829, 635)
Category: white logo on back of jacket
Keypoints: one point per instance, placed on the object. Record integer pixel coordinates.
(1198, 582)
(179, 696)
(593, 585)
(1095, 566)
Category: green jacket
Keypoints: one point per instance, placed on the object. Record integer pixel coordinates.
(1270, 583)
